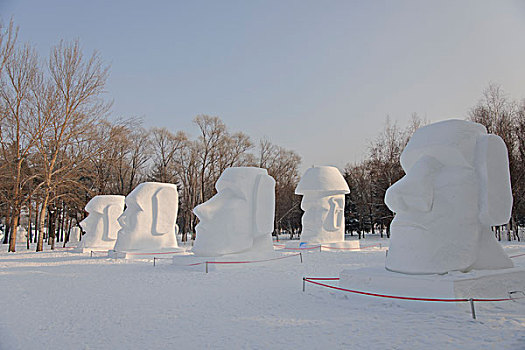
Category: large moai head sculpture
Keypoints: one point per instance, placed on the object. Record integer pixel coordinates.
(323, 189)
(240, 216)
(101, 224)
(457, 185)
(149, 221)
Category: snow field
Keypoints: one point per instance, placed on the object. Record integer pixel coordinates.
(65, 300)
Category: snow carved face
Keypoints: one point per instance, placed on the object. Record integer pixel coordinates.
(240, 212)
(101, 224)
(148, 223)
(438, 226)
(323, 218)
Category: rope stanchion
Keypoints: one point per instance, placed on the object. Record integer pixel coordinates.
(157, 258)
(97, 251)
(443, 300)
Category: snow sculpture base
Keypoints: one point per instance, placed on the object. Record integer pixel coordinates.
(338, 246)
(482, 284)
(143, 254)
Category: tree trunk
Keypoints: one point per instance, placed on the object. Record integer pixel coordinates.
(12, 237)
(62, 219)
(52, 226)
(7, 226)
(68, 234)
(29, 230)
(41, 223)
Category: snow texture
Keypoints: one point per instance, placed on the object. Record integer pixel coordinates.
(323, 189)
(457, 185)
(59, 300)
(239, 218)
(101, 224)
(148, 223)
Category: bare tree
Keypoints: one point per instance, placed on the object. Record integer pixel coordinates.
(165, 147)
(8, 37)
(73, 103)
(283, 166)
(19, 130)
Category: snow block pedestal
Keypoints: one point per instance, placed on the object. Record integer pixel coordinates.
(478, 284)
(338, 246)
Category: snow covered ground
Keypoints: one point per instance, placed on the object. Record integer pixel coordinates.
(64, 300)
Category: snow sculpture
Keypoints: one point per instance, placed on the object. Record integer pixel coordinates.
(323, 189)
(101, 224)
(148, 223)
(457, 185)
(74, 237)
(240, 216)
(21, 235)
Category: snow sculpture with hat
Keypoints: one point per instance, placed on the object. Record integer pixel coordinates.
(323, 189)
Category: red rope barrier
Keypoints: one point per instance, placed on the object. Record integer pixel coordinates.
(252, 261)
(312, 280)
(515, 256)
(241, 262)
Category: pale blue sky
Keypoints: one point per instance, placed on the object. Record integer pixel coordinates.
(318, 77)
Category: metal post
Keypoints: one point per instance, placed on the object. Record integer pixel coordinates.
(301, 255)
(91, 254)
(472, 309)
(206, 267)
(154, 261)
(304, 284)
(320, 247)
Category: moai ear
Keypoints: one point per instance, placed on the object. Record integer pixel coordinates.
(334, 218)
(264, 202)
(492, 165)
(111, 213)
(165, 206)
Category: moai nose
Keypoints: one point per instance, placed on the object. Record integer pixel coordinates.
(415, 191)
